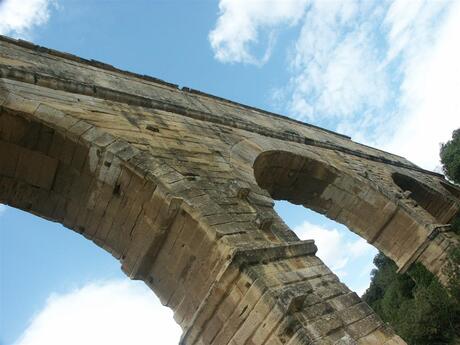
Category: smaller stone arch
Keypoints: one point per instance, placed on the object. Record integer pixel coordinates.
(366, 206)
(437, 205)
(452, 189)
(318, 185)
(298, 179)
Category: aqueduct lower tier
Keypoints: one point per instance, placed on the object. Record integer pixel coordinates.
(179, 186)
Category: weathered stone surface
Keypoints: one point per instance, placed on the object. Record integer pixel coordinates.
(179, 186)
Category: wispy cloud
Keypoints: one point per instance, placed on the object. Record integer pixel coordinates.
(245, 24)
(117, 313)
(429, 102)
(386, 73)
(19, 17)
(399, 92)
(335, 68)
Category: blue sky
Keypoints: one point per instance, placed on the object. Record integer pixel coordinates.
(384, 72)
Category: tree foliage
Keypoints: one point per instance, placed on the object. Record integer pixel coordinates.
(450, 157)
(415, 304)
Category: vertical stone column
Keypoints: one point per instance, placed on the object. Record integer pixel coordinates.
(235, 284)
(283, 294)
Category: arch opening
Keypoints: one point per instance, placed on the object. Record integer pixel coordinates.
(82, 183)
(346, 197)
(320, 187)
(345, 253)
(297, 181)
(60, 178)
(41, 259)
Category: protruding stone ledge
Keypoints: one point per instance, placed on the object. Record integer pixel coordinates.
(229, 274)
(433, 231)
(274, 253)
(171, 86)
(105, 93)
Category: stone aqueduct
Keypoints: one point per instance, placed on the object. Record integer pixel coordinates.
(179, 186)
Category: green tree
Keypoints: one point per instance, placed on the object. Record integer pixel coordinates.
(450, 157)
(415, 304)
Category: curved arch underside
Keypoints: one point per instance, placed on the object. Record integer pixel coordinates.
(79, 180)
(178, 186)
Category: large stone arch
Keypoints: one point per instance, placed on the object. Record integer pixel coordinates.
(66, 170)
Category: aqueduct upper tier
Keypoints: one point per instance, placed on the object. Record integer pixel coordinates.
(179, 186)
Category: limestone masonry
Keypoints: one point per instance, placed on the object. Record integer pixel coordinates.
(179, 186)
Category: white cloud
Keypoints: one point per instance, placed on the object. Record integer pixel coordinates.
(19, 17)
(338, 82)
(2, 209)
(411, 25)
(117, 313)
(238, 28)
(388, 75)
(362, 289)
(429, 103)
(337, 252)
(335, 66)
